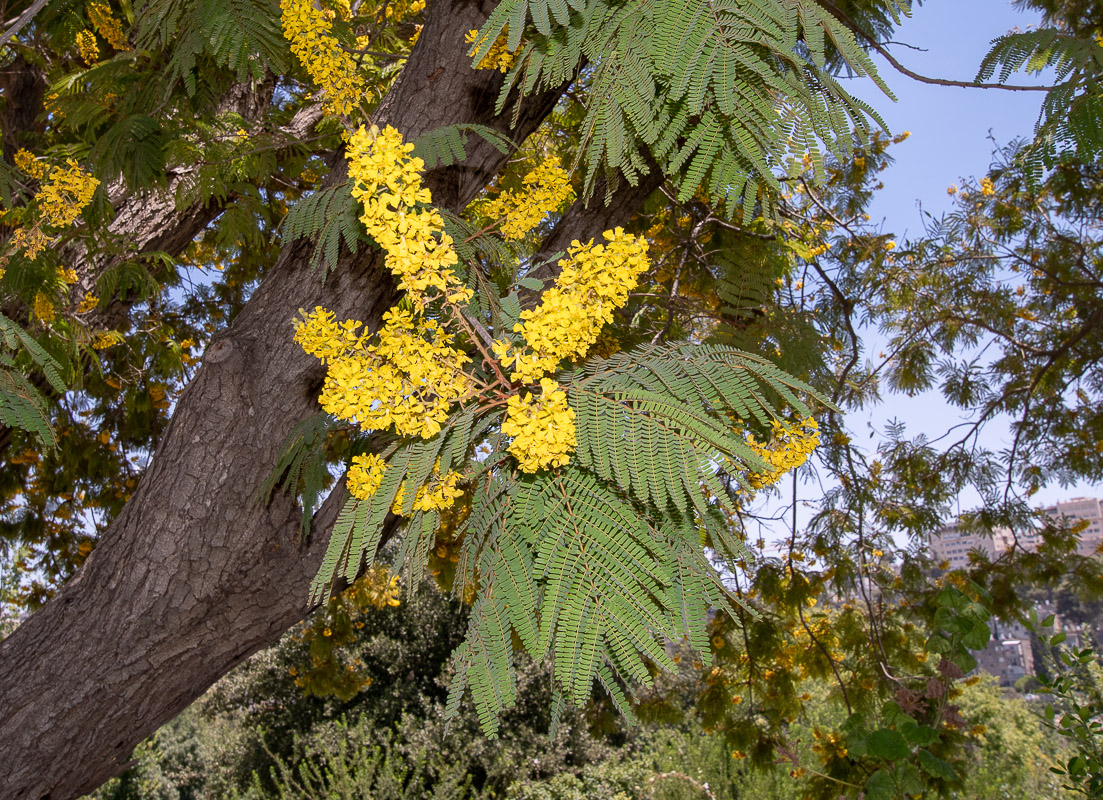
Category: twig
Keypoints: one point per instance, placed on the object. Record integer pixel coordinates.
(1007, 87)
(27, 16)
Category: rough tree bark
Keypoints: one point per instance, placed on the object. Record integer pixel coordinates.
(192, 577)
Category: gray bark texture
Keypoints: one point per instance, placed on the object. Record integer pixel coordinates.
(194, 576)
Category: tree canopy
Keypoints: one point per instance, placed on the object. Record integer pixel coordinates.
(535, 296)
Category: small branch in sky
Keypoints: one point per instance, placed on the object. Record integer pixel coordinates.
(880, 48)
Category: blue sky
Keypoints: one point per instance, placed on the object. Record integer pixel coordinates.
(949, 127)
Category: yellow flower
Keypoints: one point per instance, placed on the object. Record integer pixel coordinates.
(542, 429)
(25, 160)
(107, 26)
(43, 307)
(59, 201)
(987, 188)
(378, 588)
(32, 240)
(594, 280)
(87, 47)
(409, 378)
(498, 57)
(87, 303)
(67, 192)
(386, 180)
(544, 189)
(365, 475)
(437, 495)
(788, 448)
(334, 71)
(104, 339)
(320, 336)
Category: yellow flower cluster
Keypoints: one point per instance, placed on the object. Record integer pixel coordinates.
(829, 746)
(410, 378)
(544, 190)
(498, 56)
(788, 448)
(987, 188)
(365, 475)
(32, 240)
(105, 339)
(68, 191)
(378, 588)
(25, 161)
(107, 26)
(437, 495)
(332, 69)
(320, 335)
(87, 47)
(412, 374)
(403, 10)
(87, 303)
(60, 201)
(595, 280)
(387, 182)
(43, 307)
(542, 428)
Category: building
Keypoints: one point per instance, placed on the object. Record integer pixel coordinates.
(953, 544)
(1085, 508)
(1007, 659)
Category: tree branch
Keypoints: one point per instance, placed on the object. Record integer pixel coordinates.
(873, 43)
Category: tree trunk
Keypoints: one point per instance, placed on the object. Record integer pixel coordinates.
(194, 575)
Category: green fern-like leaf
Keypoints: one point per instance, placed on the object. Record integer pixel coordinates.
(243, 36)
(331, 217)
(656, 421)
(23, 406)
(1070, 123)
(447, 145)
(302, 467)
(724, 94)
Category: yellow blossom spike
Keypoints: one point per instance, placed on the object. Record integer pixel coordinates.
(364, 475)
(334, 71)
(542, 428)
(594, 281)
(107, 26)
(87, 47)
(543, 191)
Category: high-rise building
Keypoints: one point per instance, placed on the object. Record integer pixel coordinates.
(1085, 508)
(952, 544)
